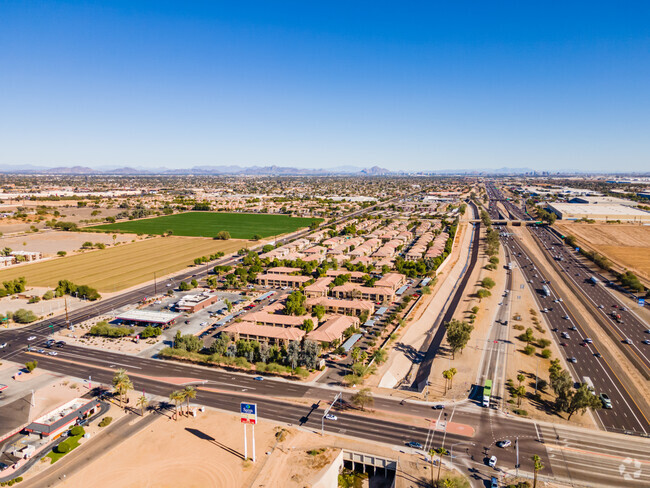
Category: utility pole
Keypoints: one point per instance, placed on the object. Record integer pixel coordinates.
(67, 319)
(155, 288)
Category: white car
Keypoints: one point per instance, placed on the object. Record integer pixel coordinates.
(492, 462)
(504, 443)
(53, 353)
(3, 345)
(203, 324)
(31, 338)
(329, 416)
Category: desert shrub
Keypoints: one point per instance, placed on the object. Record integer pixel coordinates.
(105, 421)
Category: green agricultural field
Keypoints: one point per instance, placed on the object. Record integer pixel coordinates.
(209, 224)
(116, 268)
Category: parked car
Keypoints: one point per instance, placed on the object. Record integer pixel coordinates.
(494, 483)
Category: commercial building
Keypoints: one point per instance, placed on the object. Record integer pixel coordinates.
(196, 301)
(148, 317)
(601, 211)
(57, 421)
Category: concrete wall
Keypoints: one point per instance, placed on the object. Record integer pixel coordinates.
(328, 477)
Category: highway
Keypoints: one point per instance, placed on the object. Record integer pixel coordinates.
(570, 335)
(630, 326)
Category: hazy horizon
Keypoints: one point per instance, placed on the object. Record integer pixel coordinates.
(421, 88)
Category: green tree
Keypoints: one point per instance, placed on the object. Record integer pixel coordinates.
(31, 365)
(380, 356)
(22, 316)
(483, 293)
(183, 286)
(582, 399)
(318, 311)
(488, 283)
(363, 398)
(520, 378)
(223, 235)
(458, 335)
(294, 304)
(307, 325)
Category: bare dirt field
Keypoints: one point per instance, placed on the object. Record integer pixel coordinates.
(69, 213)
(120, 267)
(208, 450)
(51, 242)
(626, 245)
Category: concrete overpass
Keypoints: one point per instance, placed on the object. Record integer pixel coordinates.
(508, 222)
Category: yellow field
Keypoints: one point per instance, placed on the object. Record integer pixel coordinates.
(120, 267)
(626, 245)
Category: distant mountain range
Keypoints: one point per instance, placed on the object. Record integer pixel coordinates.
(198, 170)
(273, 170)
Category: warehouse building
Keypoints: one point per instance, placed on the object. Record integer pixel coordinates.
(600, 211)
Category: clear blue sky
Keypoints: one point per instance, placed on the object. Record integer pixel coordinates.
(403, 85)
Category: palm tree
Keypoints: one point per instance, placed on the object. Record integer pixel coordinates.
(448, 483)
(190, 393)
(432, 453)
(520, 392)
(177, 397)
(142, 403)
(441, 451)
(122, 384)
(452, 373)
(520, 378)
(537, 466)
(447, 375)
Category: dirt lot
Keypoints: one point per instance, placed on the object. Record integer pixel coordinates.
(51, 242)
(120, 267)
(207, 450)
(626, 245)
(69, 213)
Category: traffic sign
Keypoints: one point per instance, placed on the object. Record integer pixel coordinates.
(641, 302)
(248, 413)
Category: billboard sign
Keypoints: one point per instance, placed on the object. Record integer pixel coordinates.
(248, 413)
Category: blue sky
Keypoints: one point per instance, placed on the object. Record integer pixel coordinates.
(403, 85)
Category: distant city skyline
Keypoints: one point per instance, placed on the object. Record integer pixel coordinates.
(314, 85)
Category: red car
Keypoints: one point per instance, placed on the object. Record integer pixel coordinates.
(563, 344)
